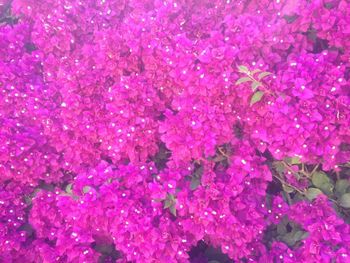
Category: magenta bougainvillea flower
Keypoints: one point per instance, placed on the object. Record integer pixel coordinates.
(174, 131)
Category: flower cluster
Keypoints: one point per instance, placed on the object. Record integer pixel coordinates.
(323, 226)
(174, 131)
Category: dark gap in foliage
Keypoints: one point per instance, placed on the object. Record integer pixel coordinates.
(172, 216)
(288, 51)
(125, 161)
(109, 82)
(223, 29)
(204, 253)
(45, 186)
(290, 19)
(141, 65)
(51, 243)
(173, 110)
(199, 255)
(67, 175)
(347, 73)
(107, 251)
(97, 145)
(205, 36)
(268, 235)
(161, 157)
(344, 147)
(161, 116)
(198, 169)
(155, 221)
(238, 130)
(329, 5)
(285, 231)
(268, 156)
(6, 16)
(30, 47)
(289, 228)
(320, 45)
(222, 166)
(125, 52)
(221, 157)
(107, 159)
(197, 250)
(232, 204)
(28, 228)
(72, 46)
(126, 72)
(6, 183)
(123, 12)
(274, 187)
(196, 176)
(57, 98)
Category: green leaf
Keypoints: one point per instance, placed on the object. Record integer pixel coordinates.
(319, 179)
(104, 248)
(28, 228)
(282, 229)
(293, 237)
(215, 255)
(243, 80)
(36, 190)
(287, 189)
(300, 235)
(291, 19)
(279, 166)
(341, 187)
(69, 189)
(255, 85)
(170, 202)
(171, 197)
(298, 197)
(263, 75)
(167, 203)
(345, 200)
(195, 182)
(243, 69)
(86, 189)
(47, 187)
(322, 181)
(28, 200)
(172, 209)
(312, 193)
(256, 97)
(295, 160)
(199, 171)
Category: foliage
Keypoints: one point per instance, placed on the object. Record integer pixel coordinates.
(174, 131)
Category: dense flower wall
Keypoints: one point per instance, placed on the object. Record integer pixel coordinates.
(161, 131)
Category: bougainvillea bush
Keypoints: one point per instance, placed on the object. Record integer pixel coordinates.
(174, 131)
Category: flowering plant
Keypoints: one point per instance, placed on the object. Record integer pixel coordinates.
(174, 131)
